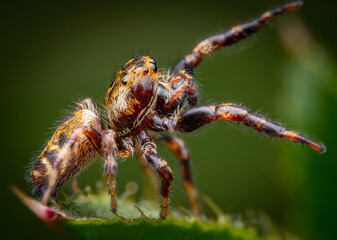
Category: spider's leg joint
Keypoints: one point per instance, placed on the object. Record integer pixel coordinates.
(158, 164)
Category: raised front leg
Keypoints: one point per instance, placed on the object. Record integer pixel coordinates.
(160, 165)
(235, 34)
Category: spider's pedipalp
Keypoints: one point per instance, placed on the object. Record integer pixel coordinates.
(126, 148)
(235, 34)
(182, 82)
(178, 90)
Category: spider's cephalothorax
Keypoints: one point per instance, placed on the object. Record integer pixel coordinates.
(143, 105)
(132, 94)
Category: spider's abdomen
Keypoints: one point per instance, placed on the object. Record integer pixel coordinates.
(81, 153)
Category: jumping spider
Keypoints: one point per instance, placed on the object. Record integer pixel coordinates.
(143, 104)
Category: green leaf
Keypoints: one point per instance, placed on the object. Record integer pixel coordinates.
(87, 216)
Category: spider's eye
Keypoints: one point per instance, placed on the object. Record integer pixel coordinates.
(138, 70)
(153, 61)
(141, 70)
(153, 66)
(124, 81)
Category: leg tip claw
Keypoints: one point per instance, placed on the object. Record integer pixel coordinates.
(323, 149)
(113, 210)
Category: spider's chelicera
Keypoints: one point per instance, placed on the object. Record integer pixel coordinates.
(143, 105)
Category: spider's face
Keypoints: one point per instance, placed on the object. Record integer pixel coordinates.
(132, 93)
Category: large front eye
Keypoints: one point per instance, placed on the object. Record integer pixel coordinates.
(124, 81)
(153, 66)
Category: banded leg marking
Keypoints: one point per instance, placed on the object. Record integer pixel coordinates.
(110, 165)
(62, 155)
(149, 173)
(178, 148)
(195, 118)
(235, 34)
(160, 165)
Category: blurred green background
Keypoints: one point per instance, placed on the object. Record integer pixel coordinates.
(55, 53)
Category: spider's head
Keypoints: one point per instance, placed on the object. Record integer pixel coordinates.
(132, 93)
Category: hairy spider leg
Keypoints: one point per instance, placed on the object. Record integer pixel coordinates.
(110, 148)
(187, 64)
(149, 151)
(96, 140)
(235, 34)
(93, 136)
(177, 146)
(149, 173)
(197, 117)
(63, 154)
